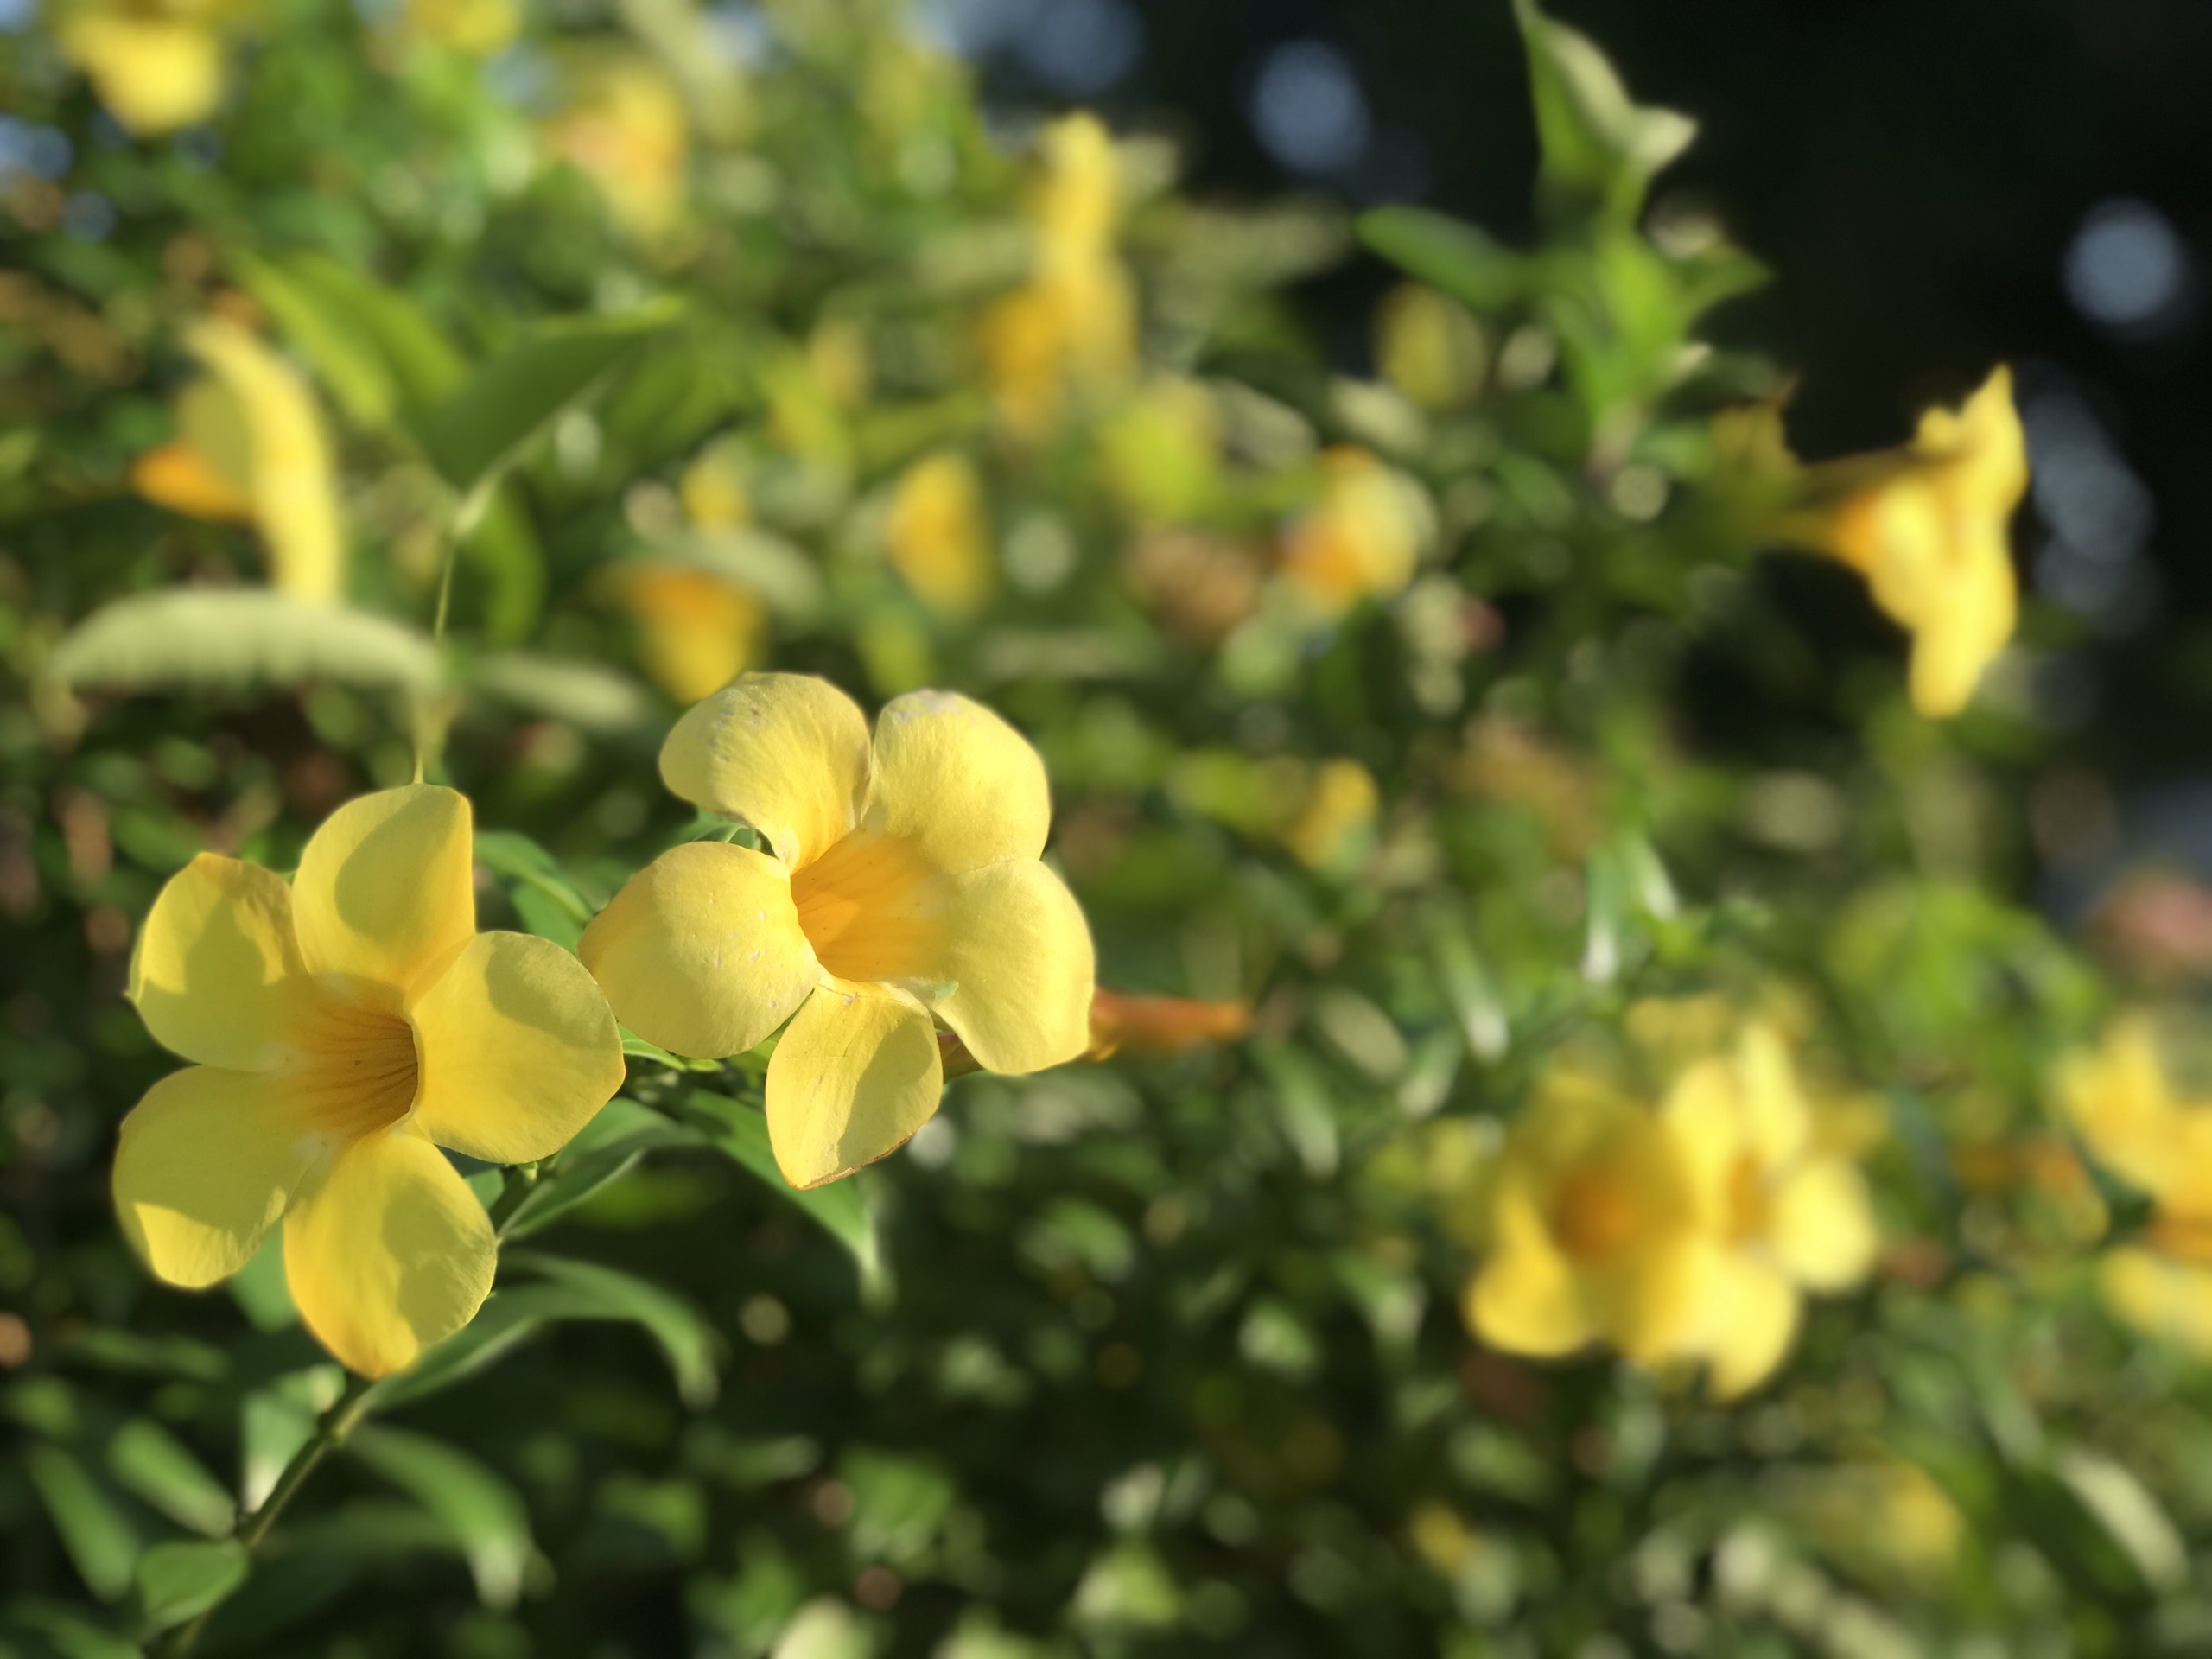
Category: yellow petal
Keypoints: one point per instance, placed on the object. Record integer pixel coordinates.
(518, 1050)
(697, 630)
(389, 1253)
(937, 535)
(208, 1162)
(2159, 1296)
(1777, 1120)
(1019, 953)
(958, 781)
(384, 889)
(1647, 1302)
(786, 753)
(1704, 1113)
(1754, 1315)
(295, 492)
(702, 951)
(154, 74)
(1526, 1298)
(857, 1073)
(181, 479)
(217, 976)
(1821, 1224)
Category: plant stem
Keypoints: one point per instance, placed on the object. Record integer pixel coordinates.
(521, 1178)
(330, 1432)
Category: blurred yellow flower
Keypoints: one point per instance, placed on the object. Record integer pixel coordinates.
(2121, 1102)
(1360, 538)
(1335, 822)
(624, 125)
(697, 630)
(482, 29)
(1784, 1215)
(938, 536)
(901, 884)
(1162, 452)
(156, 65)
(344, 1028)
(1430, 347)
(713, 488)
(1593, 1229)
(251, 447)
(1070, 332)
(1927, 527)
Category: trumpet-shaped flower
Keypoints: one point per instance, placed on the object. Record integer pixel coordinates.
(1362, 537)
(1071, 330)
(1927, 528)
(1783, 1216)
(697, 628)
(344, 1026)
(157, 65)
(251, 448)
(2122, 1102)
(1594, 1231)
(901, 885)
(937, 536)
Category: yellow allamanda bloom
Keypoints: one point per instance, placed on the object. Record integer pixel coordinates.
(1686, 1235)
(156, 65)
(1927, 527)
(1783, 1216)
(1069, 332)
(1593, 1229)
(901, 886)
(251, 448)
(2121, 1102)
(344, 1027)
(624, 125)
(937, 535)
(1361, 537)
(697, 630)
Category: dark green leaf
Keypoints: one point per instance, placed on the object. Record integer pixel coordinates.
(180, 1581)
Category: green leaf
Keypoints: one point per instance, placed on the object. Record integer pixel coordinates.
(232, 638)
(502, 1325)
(475, 434)
(1601, 147)
(587, 1290)
(608, 1147)
(484, 1515)
(146, 1459)
(370, 345)
(1449, 255)
(102, 1544)
(741, 1131)
(589, 695)
(180, 1581)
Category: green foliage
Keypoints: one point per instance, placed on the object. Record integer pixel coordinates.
(1164, 1353)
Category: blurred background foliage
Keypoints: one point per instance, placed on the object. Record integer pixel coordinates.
(1395, 628)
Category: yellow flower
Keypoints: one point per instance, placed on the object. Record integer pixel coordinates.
(344, 1027)
(251, 447)
(1071, 330)
(2121, 1102)
(625, 127)
(1362, 537)
(697, 630)
(1784, 1215)
(157, 65)
(713, 488)
(1927, 528)
(1336, 820)
(937, 535)
(1430, 347)
(901, 884)
(1594, 1230)
(482, 29)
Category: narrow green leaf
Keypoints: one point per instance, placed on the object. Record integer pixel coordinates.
(609, 1145)
(183, 1580)
(484, 1515)
(589, 695)
(741, 1131)
(1601, 147)
(587, 1290)
(102, 1544)
(1450, 256)
(483, 428)
(231, 638)
(146, 1459)
(500, 1326)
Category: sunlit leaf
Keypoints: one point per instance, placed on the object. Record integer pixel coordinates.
(587, 1290)
(238, 638)
(484, 1515)
(102, 1544)
(742, 1132)
(180, 1581)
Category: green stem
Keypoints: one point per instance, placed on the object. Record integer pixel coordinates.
(521, 1180)
(330, 1432)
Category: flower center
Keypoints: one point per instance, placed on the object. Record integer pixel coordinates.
(361, 1070)
(1747, 1204)
(1595, 1215)
(873, 909)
